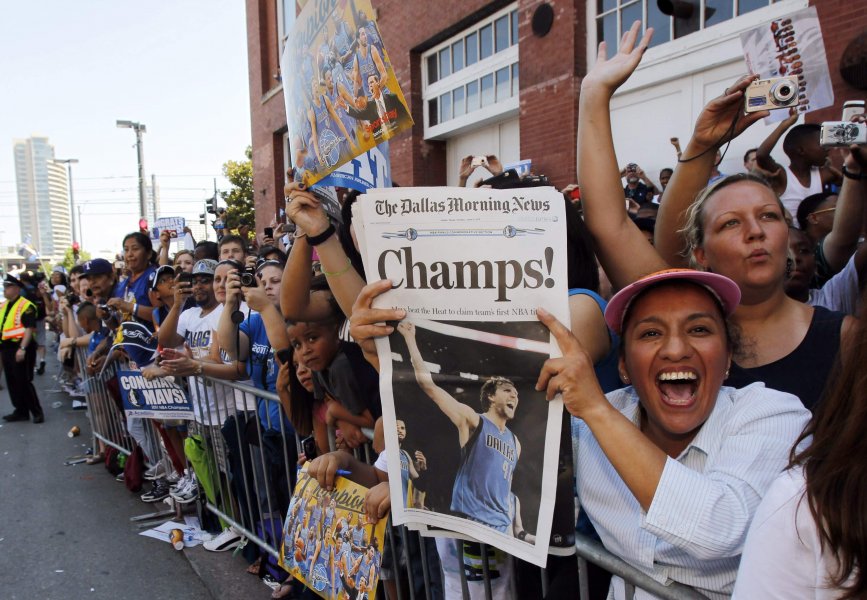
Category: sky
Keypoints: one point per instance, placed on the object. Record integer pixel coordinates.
(71, 69)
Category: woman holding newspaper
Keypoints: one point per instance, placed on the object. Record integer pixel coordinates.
(670, 469)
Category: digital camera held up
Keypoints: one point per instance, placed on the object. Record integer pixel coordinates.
(842, 133)
(771, 94)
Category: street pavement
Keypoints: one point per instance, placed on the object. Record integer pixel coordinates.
(65, 531)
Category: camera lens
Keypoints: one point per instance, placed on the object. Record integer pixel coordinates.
(782, 92)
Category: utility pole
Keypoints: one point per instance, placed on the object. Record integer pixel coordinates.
(139, 129)
(154, 198)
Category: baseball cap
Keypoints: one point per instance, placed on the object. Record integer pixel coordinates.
(97, 266)
(206, 266)
(724, 289)
(154, 277)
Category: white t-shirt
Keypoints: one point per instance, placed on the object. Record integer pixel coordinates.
(244, 401)
(783, 558)
(199, 333)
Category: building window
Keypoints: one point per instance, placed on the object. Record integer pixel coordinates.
(473, 75)
(285, 20)
(614, 17)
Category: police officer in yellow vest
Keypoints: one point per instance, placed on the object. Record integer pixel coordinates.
(18, 351)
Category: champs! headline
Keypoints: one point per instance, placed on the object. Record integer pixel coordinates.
(501, 275)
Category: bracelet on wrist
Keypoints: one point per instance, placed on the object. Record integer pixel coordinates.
(850, 175)
(315, 240)
(337, 273)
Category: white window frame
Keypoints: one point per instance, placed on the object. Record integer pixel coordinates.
(497, 111)
(710, 47)
(283, 35)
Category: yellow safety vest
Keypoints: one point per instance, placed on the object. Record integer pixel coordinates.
(13, 329)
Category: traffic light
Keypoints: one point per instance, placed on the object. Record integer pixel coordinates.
(211, 205)
(203, 218)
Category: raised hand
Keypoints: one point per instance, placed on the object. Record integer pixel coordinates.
(572, 374)
(303, 209)
(714, 125)
(608, 74)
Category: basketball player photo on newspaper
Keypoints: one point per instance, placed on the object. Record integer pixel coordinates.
(472, 443)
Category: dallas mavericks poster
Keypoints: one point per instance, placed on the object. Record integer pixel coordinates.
(342, 96)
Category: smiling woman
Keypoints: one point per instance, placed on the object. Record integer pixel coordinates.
(671, 469)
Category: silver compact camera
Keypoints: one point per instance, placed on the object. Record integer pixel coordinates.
(770, 94)
(843, 133)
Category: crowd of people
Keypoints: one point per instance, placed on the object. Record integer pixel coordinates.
(714, 365)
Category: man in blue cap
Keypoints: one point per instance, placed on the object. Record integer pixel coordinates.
(18, 351)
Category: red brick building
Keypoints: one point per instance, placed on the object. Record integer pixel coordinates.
(480, 78)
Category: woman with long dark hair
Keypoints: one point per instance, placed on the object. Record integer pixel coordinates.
(809, 535)
(131, 294)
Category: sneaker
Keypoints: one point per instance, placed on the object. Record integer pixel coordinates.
(173, 478)
(159, 491)
(41, 368)
(158, 471)
(120, 478)
(228, 540)
(181, 482)
(79, 405)
(188, 493)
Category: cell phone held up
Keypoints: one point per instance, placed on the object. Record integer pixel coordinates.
(308, 447)
(269, 232)
(842, 133)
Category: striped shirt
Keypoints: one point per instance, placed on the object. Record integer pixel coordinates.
(695, 528)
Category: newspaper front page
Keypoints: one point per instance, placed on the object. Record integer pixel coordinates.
(472, 443)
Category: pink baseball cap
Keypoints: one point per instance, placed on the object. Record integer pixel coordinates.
(724, 289)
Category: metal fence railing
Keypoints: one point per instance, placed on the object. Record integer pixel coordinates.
(245, 463)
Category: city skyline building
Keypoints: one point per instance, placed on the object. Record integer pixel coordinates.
(43, 197)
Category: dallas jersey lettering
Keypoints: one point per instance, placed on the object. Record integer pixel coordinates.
(484, 479)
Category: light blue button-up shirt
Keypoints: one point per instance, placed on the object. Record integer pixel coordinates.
(695, 528)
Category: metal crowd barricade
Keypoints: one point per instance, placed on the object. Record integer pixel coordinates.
(246, 469)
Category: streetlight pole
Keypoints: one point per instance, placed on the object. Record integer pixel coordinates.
(139, 129)
(69, 162)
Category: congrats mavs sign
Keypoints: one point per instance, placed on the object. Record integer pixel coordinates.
(157, 398)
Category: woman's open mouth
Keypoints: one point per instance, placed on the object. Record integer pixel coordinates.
(678, 388)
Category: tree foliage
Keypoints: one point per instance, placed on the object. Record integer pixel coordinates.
(239, 199)
(69, 258)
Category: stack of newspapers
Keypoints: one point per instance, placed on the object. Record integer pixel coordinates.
(476, 450)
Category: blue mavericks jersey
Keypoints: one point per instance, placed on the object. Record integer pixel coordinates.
(404, 474)
(358, 537)
(484, 480)
(366, 68)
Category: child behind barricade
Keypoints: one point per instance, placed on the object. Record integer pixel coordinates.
(342, 379)
(95, 333)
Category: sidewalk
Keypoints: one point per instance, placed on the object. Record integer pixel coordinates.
(65, 530)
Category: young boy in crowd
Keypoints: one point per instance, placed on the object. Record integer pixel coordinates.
(340, 373)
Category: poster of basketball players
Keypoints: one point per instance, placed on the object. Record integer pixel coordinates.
(792, 46)
(342, 96)
(472, 442)
(327, 542)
